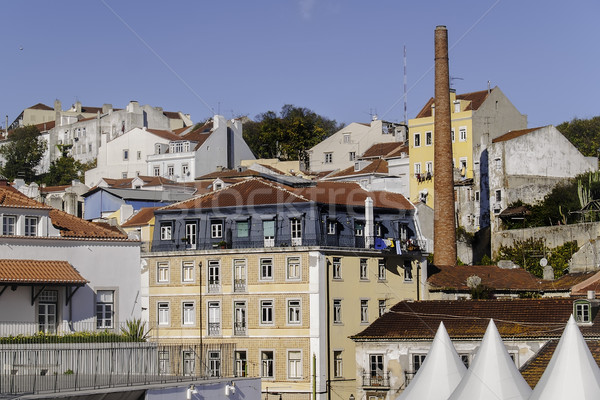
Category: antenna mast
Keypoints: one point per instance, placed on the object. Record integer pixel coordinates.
(405, 92)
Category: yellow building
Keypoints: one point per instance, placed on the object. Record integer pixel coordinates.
(477, 118)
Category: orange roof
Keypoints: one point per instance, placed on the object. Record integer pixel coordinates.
(164, 134)
(513, 134)
(229, 173)
(45, 126)
(141, 218)
(10, 197)
(476, 99)
(384, 149)
(40, 106)
(49, 189)
(378, 166)
(39, 272)
(465, 319)
(74, 227)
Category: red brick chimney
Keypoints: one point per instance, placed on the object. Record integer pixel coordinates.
(444, 230)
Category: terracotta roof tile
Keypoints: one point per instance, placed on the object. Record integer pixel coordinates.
(230, 173)
(10, 197)
(74, 227)
(45, 126)
(528, 318)
(141, 218)
(443, 278)
(383, 149)
(37, 272)
(476, 99)
(164, 134)
(52, 189)
(513, 134)
(378, 166)
(40, 106)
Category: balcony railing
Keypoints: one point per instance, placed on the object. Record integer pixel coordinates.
(381, 380)
(239, 328)
(239, 285)
(214, 328)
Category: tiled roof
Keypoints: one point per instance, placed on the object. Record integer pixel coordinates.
(45, 126)
(39, 272)
(273, 169)
(41, 106)
(468, 319)
(164, 134)
(444, 278)
(10, 197)
(141, 218)
(351, 194)
(52, 189)
(230, 173)
(383, 149)
(476, 99)
(199, 135)
(171, 114)
(74, 227)
(158, 181)
(532, 371)
(513, 134)
(582, 288)
(247, 192)
(378, 166)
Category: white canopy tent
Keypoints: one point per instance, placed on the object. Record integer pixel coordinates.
(492, 374)
(572, 372)
(440, 373)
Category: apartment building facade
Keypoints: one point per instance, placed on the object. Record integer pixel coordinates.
(283, 275)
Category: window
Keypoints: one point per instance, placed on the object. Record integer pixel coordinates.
(328, 158)
(47, 311)
(241, 363)
(407, 271)
(418, 360)
(266, 312)
(364, 269)
(139, 155)
(185, 170)
(417, 140)
(170, 170)
(428, 140)
(294, 364)
(294, 316)
(163, 313)
(417, 168)
(239, 275)
(376, 368)
(465, 359)
(338, 364)
(124, 175)
(214, 318)
(239, 318)
(163, 362)
(381, 270)
(165, 231)
(187, 271)
(456, 106)
(189, 363)
(214, 363)
(190, 233)
(296, 231)
(337, 311)
(429, 167)
(346, 138)
(267, 367)
(216, 229)
(582, 311)
(462, 134)
(162, 272)
(358, 228)
(31, 224)
(269, 233)
(452, 134)
(498, 196)
(331, 225)
(381, 307)
(364, 311)
(188, 316)
(242, 229)
(9, 222)
(105, 306)
(477, 196)
(214, 276)
(293, 268)
(125, 155)
(352, 156)
(266, 269)
(156, 170)
(337, 268)
(462, 167)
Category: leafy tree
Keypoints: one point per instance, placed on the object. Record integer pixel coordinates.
(63, 171)
(22, 153)
(288, 135)
(584, 134)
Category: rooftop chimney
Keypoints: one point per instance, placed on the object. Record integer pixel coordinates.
(444, 248)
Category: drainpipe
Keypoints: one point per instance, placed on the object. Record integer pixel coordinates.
(369, 228)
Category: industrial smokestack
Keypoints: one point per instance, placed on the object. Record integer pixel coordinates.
(444, 230)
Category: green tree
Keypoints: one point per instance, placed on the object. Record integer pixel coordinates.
(22, 153)
(63, 171)
(584, 134)
(528, 253)
(289, 135)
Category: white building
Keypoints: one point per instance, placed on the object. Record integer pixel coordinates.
(343, 148)
(64, 273)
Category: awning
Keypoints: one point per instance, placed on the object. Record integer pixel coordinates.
(37, 272)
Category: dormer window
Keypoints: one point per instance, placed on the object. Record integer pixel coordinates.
(582, 311)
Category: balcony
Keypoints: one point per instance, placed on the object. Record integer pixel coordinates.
(239, 285)
(214, 328)
(376, 380)
(239, 328)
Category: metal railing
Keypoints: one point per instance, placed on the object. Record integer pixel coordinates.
(377, 380)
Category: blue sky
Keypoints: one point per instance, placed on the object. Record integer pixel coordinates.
(341, 58)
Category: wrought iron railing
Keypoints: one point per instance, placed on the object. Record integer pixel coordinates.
(376, 379)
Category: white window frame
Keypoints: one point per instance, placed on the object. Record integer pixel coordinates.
(31, 226)
(265, 272)
(215, 317)
(216, 229)
(382, 307)
(296, 231)
(381, 269)
(452, 135)
(156, 170)
(163, 311)
(364, 311)
(293, 268)
(188, 313)
(267, 364)
(351, 156)
(187, 271)
(337, 311)
(294, 364)
(347, 138)
(213, 276)
(428, 138)
(105, 309)
(294, 311)
(166, 231)
(267, 312)
(162, 272)
(364, 269)
(328, 158)
(170, 170)
(9, 225)
(338, 364)
(125, 154)
(191, 229)
(336, 263)
(417, 139)
(462, 134)
(417, 168)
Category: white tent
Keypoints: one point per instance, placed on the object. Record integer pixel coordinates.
(492, 374)
(572, 372)
(441, 371)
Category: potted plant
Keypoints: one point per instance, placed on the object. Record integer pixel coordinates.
(222, 244)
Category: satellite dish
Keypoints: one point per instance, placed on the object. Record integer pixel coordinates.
(543, 262)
